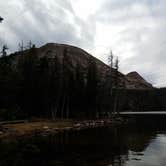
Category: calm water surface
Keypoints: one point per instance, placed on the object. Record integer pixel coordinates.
(118, 146)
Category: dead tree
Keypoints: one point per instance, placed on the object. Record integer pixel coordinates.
(29, 45)
(116, 86)
(21, 47)
(4, 48)
(111, 65)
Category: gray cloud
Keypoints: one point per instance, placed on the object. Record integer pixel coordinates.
(142, 25)
(43, 22)
(134, 29)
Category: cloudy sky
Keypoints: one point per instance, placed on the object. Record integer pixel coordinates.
(134, 29)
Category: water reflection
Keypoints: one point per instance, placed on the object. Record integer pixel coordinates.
(121, 146)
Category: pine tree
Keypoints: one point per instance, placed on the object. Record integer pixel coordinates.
(29, 72)
(55, 87)
(116, 86)
(79, 92)
(91, 88)
(111, 80)
(1, 19)
(4, 48)
(66, 75)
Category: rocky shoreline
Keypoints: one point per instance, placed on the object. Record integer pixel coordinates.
(44, 128)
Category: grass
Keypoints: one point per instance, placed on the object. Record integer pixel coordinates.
(30, 127)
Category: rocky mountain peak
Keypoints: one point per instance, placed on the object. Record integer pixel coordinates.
(137, 81)
(78, 56)
(135, 75)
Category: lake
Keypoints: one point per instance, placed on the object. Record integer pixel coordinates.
(129, 145)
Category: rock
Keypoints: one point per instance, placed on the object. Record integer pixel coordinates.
(136, 81)
(77, 125)
(45, 127)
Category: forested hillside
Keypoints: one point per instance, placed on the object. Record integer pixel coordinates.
(59, 81)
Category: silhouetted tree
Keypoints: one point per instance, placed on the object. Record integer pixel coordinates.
(91, 88)
(29, 45)
(1, 19)
(111, 81)
(21, 47)
(116, 72)
(29, 71)
(78, 93)
(114, 82)
(116, 86)
(67, 74)
(55, 87)
(4, 48)
(9, 88)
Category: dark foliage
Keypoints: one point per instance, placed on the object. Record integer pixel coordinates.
(40, 87)
(36, 86)
(1, 19)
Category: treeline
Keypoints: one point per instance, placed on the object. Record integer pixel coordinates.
(145, 100)
(41, 87)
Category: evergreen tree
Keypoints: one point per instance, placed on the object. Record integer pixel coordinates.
(111, 81)
(91, 88)
(29, 80)
(116, 86)
(43, 83)
(1, 19)
(66, 74)
(55, 87)
(4, 48)
(78, 94)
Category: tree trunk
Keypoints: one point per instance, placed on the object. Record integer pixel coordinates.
(63, 106)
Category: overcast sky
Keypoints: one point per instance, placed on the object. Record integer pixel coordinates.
(134, 29)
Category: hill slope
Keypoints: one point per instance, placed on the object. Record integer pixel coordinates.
(58, 80)
(135, 81)
(80, 57)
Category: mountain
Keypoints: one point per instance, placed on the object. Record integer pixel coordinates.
(80, 57)
(136, 81)
(77, 56)
(59, 80)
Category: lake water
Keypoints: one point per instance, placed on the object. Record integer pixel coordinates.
(110, 146)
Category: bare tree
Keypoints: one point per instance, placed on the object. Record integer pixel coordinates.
(29, 45)
(114, 81)
(110, 59)
(117, 64)
(116, 86)
(21, 46)
(111, 65)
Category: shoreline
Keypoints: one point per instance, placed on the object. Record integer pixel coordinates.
(46, 127)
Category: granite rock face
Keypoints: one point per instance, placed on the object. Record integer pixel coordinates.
(135, 81)
(78, 56)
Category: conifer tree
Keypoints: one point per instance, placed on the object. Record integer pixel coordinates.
(116, 86)
(1, 19)
(4, 48)
(91, 88)
(111, 80)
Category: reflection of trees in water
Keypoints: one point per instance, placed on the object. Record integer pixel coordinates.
(138, 138)
(94, 147)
